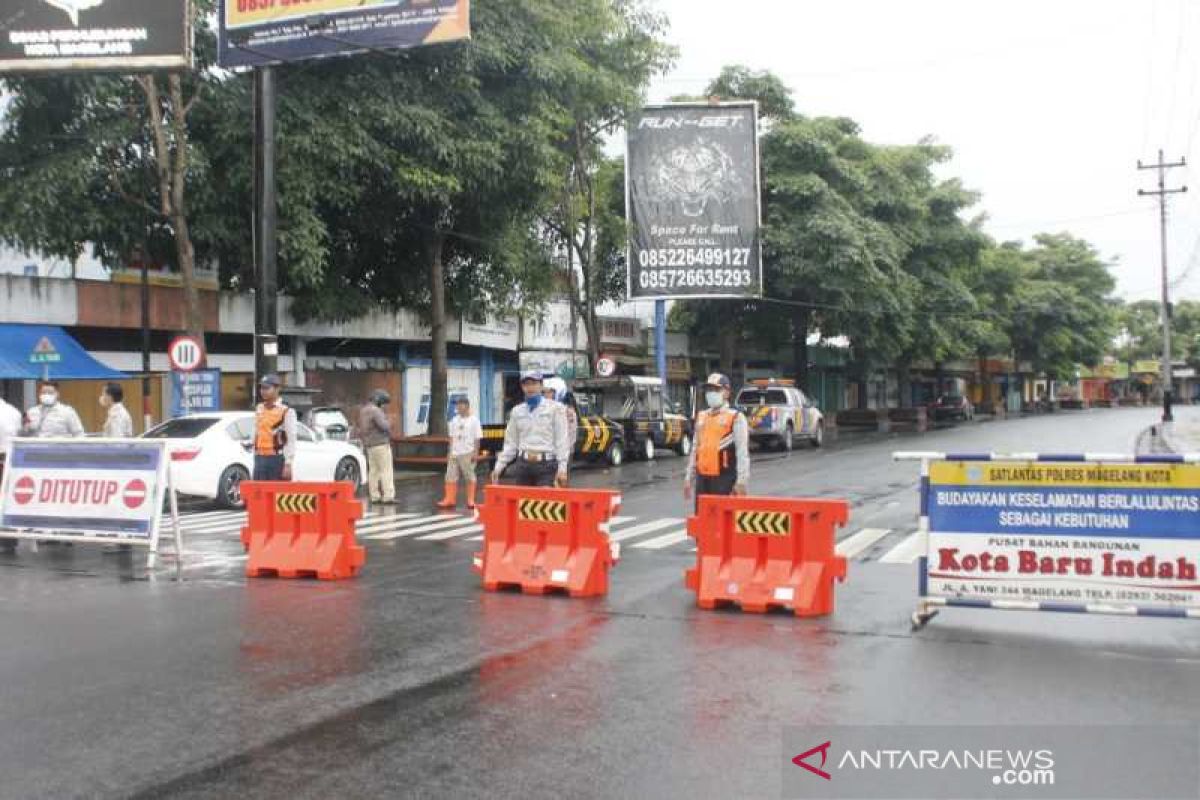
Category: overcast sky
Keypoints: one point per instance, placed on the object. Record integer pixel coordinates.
(1048, 105)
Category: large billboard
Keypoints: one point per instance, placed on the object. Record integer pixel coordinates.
(692, 200)
(120, 35)
(256, 32)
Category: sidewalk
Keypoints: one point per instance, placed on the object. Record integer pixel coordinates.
(1180, 436)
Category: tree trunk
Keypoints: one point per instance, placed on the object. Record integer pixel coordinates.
(438, 369)
(904, 384)
(186, 253)
(801, 319)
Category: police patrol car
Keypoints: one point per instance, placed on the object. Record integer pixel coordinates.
(779, 413)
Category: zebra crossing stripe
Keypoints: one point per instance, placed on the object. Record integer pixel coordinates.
(860, 542)
(442, 536)
(645, 527)
(904, 553)
(659, 542)
(417, 527)
(397, 522)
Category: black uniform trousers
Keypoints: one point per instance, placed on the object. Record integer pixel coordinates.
(715, 484)
(530, 473)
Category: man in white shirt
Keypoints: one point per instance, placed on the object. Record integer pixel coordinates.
(51, 418)
(118, 424)
(465, 433)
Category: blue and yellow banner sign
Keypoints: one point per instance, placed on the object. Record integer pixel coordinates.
(1064, 532)
(257, 32)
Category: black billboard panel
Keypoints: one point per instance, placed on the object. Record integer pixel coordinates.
(692, 202)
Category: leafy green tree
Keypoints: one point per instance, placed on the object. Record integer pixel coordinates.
(109, 161)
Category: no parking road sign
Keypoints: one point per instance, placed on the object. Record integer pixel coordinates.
(185, 353)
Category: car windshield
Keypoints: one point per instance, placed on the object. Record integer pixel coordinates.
(329, 417)
(182, 428)
(759, 397)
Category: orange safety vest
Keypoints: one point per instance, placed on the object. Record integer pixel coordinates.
(269, 437)
(715, 452)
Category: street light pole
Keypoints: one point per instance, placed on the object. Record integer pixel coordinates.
(266, 323)
(1161, 193)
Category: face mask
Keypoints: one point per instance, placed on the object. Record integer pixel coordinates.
(48, 398)
(533, 402)
(714, 399)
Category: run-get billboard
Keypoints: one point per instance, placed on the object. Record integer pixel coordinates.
(257, 32)
(692, 201)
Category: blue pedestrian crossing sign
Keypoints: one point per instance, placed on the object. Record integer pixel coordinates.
(44, 352)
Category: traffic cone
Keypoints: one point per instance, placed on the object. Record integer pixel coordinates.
(450, 498)
(470, 494)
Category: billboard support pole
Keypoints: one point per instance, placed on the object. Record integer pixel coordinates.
(660, 340)
(266, 323)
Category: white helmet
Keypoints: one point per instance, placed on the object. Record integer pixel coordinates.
(557, 385)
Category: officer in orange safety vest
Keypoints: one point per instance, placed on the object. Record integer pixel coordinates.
(720, 460)
(274, 434)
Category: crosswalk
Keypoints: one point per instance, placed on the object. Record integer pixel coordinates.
(213, 537)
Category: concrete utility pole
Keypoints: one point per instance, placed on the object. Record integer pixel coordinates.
(266, 323)
(1162, 193)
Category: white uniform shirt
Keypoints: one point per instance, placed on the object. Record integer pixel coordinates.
(10, 424)
(118, 425)
(58, 420)
(544, 430)
(465, 433)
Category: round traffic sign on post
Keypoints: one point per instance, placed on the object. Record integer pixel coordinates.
(185, 353)
(606, 367)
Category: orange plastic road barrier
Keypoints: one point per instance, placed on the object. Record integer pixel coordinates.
(545, 540)
(765, 552)
(301, 529)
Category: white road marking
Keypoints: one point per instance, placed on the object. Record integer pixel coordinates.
(645, 527)
(904, 553)
(620, 520)
(398, 521)
(659, 542)
(441, 536)
(861, 541)
(417, 527)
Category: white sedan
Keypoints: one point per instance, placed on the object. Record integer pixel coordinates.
(211, 455)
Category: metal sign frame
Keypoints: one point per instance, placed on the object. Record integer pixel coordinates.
(164, 485)
(753, 104)
(928, 606)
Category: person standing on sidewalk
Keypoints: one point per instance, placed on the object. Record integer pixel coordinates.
(274, 433)
(465, 433)
(536, 442)
(375, 429)
(50, 418)
(118, 424)
(720, 461)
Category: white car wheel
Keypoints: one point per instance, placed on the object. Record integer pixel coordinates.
(229, 492)
(348, 472)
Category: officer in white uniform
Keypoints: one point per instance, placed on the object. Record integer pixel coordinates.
(537, 441)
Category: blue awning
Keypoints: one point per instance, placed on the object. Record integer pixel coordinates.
(17, 343)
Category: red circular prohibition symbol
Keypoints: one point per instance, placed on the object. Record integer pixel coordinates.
(135, 493)
(23, 490)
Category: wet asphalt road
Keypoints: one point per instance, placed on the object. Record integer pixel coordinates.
(411, 682)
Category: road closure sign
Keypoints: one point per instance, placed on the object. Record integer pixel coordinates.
(256, 32)
(692, 201)
(69, 488)
(1065, 536)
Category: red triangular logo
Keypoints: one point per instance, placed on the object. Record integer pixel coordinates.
(823, 749)
(44, 346)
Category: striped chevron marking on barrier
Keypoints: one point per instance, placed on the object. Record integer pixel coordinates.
(296, 503)
(763, 523)
(542, 510)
